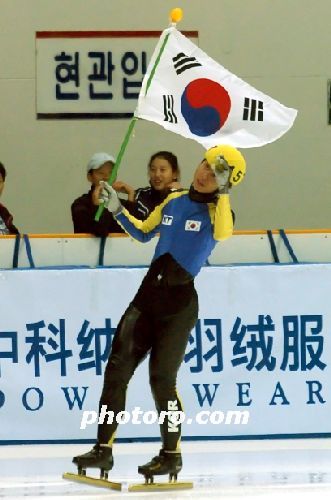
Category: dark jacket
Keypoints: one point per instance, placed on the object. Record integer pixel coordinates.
(145, 200)
(8, 221)
(83, 212)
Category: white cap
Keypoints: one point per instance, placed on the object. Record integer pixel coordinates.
(98, 159)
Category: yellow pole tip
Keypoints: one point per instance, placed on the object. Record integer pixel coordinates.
(176, 15)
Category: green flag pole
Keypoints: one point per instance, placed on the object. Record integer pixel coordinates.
(117, 163)
(175, 16)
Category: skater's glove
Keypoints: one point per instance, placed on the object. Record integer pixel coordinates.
(222, 173)
(109, 197)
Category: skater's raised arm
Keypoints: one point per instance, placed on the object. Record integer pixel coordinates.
(140, 230)
(229, 168)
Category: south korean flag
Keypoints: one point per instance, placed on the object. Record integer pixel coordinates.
(192, 95)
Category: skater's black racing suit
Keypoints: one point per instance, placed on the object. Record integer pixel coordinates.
(159, 319)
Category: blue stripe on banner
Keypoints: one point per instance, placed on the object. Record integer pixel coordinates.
(258, 437)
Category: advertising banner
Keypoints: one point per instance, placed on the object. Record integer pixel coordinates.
(256, 364)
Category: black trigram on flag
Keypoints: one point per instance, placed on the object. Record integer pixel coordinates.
(168, 109)
(253, 110)
(182, 62)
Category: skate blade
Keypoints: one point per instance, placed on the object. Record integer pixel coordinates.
(92, 481)
(160, 486)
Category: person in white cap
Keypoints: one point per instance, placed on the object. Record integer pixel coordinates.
(84, 208)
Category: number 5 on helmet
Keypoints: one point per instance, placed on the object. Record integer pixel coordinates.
(216, 155)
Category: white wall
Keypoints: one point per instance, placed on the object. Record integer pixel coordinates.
(282, 47)
(120, 250)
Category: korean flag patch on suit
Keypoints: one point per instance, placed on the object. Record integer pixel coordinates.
(192, 225)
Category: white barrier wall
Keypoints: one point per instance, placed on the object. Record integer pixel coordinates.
(261, 346)
(120, 250)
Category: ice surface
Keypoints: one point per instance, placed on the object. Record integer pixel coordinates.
(227, 470)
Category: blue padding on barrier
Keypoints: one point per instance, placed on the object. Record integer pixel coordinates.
(257, 437)
(16, 250)
(103, 241)
(288, 246)
(28, 250)
(239, 264)
(50, 268)
(272, 246)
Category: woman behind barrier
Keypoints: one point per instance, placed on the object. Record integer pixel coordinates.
(164, 176)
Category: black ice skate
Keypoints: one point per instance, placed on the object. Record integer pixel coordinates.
(100, 457)
(164, 463)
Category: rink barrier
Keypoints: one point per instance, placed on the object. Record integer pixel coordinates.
(245, 247)
(261, 343)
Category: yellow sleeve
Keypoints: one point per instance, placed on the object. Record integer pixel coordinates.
(148, 224)
(146, 229)
(221, 217)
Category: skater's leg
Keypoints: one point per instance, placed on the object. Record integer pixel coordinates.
(130, 346)
(177, 316)
(169, 343)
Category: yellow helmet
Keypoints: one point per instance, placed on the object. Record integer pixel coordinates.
(232, 156)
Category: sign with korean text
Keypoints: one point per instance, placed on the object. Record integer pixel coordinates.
(91, 74)
(261, 345)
